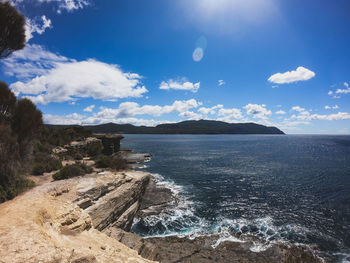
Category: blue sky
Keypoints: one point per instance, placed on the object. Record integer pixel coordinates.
(280, 63)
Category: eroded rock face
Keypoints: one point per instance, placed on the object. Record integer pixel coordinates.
(46, 223)
(113, 201)
(111, 143)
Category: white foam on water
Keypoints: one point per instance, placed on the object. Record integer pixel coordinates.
(229, 238)
(259, 247)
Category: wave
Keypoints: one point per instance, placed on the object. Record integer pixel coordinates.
(181, 219)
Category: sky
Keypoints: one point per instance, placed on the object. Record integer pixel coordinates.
(277, 63)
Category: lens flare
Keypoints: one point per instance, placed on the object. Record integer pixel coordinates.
(198, 54)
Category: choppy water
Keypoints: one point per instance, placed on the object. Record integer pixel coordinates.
(278, 188)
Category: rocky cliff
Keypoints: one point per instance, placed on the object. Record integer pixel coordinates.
(64, 221)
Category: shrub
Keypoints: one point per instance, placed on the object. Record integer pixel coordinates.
(9, 191)
(78, 156)
(39, 169)
(45, 163)
(115, 162)
(104, 161)
(94, 148)
(69, 171)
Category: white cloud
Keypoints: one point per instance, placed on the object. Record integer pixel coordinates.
(211, 111)
(346, 84)
(180, 85)
(333, 107)
(298, 108)
(190, 115)
(300, 74)
(69, 80)
(89, 108)
(258, 111)
(221, 82)
(230, 114)
(31, 61)
(33, 26)
(129, 109)
(69, 119)
(76, 118)
(343, 91)
(280, 112)
(328, 117)
(68, 5)
(330, 93)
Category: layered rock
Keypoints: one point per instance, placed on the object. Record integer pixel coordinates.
(112, 200)
(60, 221)
(111, 143)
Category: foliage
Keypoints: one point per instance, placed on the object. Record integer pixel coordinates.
(115, 162)
(7, 103)
(69, 171)
(45, 163)
(94, 148)
(61, 137)
(12, 29)
(9, 191)
(26, 123)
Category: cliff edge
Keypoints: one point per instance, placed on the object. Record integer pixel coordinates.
(62, 221)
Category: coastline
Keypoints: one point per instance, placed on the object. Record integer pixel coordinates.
(211, 247)
(89, 218)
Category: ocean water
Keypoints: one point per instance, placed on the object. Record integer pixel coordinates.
(293, 188)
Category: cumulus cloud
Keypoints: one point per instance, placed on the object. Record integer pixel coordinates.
(180, 85)
(300, 74)
(298, 108)
(129, 109)
(333, 107)
(34, 26)
(343, 91)
(54, 78)
(76, 118)
(230, 114)
(89, 108)
(68, 5)
(280, 112)
(31, 61)
(211, 111)
(258, 111)
(221, 82)
(329, 117)
(190, 115)
(346, 84)
(69, 119)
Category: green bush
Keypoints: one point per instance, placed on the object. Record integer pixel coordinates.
(69, 171)
(104, 161)
(94, 148)
(78, 156)
(9, 191)
(39, 168)
(115, 162)
(45, 164)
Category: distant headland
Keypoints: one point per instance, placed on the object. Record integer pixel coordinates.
(184, 127)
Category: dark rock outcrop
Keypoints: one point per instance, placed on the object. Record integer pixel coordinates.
(200, 250)
(111, 143)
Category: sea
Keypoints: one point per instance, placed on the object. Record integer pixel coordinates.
(292, 189)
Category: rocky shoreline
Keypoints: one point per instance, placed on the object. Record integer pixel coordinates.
(88, 219)
(205, 249)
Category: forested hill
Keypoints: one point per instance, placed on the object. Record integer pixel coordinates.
(185, 127)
